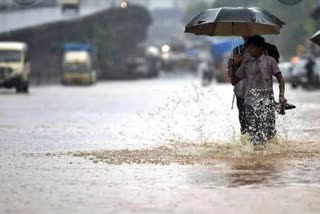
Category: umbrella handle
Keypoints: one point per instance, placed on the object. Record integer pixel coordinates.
(233, 99)
(232, 55)
(232, 40)
(239, 50)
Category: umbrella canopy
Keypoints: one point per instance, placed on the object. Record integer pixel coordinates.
(238, 21)
(290, 2)
(316, 38)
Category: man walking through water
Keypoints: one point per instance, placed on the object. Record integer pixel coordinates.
(259, 104)
(240, 87)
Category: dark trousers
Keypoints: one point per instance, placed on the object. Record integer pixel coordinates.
(242, 117)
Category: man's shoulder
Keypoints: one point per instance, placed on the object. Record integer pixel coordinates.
(270, 59)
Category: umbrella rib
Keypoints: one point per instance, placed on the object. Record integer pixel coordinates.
(253, 15)
(213, 28)
(215, 23)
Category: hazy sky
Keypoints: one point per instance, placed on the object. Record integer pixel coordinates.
(169, 3)
(161, 3)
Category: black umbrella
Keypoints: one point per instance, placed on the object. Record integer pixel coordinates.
(238, 21)
(290, 2)
(316, 38)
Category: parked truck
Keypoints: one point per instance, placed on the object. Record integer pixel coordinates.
(77, 65)
(14, 66)
(71, 5)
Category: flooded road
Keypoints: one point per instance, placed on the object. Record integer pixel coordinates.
(157, 146)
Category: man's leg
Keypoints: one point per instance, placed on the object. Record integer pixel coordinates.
(266, 121)
(270, 121)
(242, 117)
(251, 123)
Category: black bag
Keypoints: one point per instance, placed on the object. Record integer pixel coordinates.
(272, 51)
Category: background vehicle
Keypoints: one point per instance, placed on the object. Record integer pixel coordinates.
(142, 68)
(299, 73)
(176, 57)
(14, 66)
(286, 70)
(77, 65)
(71, 5)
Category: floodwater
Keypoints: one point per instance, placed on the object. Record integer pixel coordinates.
(154, 146)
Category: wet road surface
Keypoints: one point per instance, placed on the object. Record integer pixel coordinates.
(157, 146)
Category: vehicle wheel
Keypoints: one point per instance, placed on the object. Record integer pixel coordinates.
(18, 87)
(22, 86)
(25, 87)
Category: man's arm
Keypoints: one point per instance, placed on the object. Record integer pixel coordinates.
(231, 63)
(281, 87)
(236, 68)
(277, 73)
(234, 78)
